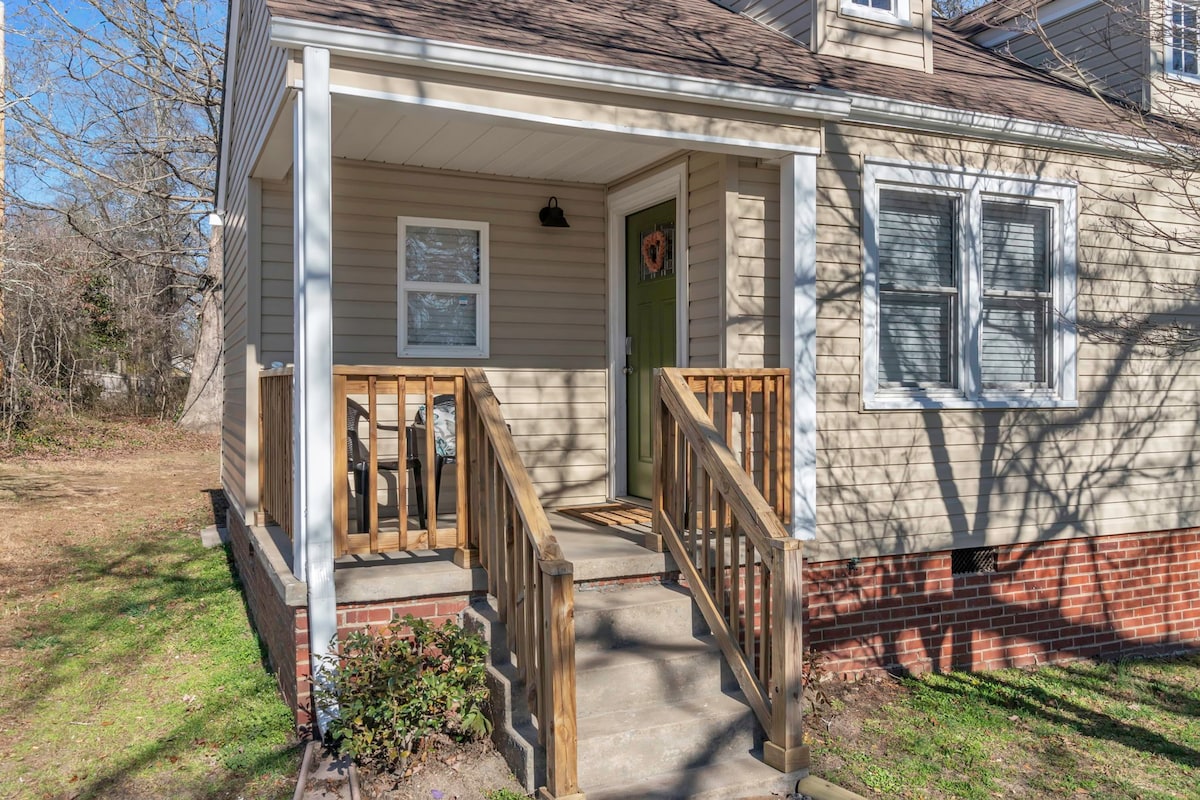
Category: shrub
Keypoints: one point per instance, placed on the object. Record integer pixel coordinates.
(399, 687)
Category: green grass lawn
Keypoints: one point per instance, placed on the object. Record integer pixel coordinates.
(1125, 730)
(135, 674)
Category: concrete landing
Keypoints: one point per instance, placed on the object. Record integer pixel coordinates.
(599, 553)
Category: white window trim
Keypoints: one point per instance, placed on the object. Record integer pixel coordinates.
(972, 187)
(901, 15)
(1168, 38)
(482, 304)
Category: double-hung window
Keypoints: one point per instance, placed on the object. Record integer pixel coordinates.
(893, 11)
(968, 289)
(1183, 38)
(443, 288)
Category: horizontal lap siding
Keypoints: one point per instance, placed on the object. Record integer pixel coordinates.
(257, 79)
(547, 308)
(907, 47)
(754, 296)
(793, 17)
(913, 481)
(706, 255)
(1095, 40)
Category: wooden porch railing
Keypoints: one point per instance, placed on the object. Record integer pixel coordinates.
(499, 522)
(742, 566)
(275, 446)
(527, 574)
(369, 387)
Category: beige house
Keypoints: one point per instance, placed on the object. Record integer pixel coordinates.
(822, 298)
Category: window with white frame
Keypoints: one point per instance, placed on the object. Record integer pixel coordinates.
(968, 289)
(1183, 38)
(443, 288)
(894, 11)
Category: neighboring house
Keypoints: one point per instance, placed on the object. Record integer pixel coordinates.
(976, 466)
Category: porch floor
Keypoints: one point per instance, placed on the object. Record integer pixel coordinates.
(598, 552)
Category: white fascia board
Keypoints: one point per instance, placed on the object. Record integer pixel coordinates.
(232, 25)
(1051, 12)
(874, 110)
(550, 70)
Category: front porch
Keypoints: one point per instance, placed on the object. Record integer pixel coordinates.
(722, 495)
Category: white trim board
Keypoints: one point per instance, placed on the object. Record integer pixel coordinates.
(671, 182)
(551, 70)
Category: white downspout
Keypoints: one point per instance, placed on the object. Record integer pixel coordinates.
(313, 379)
(798, 316)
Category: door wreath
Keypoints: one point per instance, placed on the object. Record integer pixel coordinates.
(654, 251)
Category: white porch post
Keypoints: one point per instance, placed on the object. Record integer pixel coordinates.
(313, 378)
(798, 317)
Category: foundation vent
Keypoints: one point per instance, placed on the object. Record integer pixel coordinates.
(973, 560)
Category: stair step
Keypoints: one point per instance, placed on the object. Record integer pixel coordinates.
(628, 617)
(737, 776)
(628, 744)
(646, 674)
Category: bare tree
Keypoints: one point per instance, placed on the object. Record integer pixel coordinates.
(1125, 56)
(113, 130)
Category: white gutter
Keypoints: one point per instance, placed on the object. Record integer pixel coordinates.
(296, 34)
(874, 110)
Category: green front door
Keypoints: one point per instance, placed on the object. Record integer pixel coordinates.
(650, 327)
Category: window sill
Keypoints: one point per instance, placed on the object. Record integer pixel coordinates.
(867, 14)
(1181, 77)
(442, 352)
(929, 401)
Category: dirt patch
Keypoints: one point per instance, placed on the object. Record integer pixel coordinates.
(450, 772)
(56, 507)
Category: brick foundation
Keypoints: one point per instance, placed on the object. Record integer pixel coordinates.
(1103, 597)
(283, 628)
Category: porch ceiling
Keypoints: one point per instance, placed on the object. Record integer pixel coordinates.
(365, 129)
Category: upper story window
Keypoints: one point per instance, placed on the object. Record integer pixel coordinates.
(893, 11)
(443, 288)
(1183, 39)
(968, 290)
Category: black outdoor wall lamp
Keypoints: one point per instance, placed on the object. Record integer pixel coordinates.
(552, 216)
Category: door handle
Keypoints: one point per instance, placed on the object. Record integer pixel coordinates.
(628, 370)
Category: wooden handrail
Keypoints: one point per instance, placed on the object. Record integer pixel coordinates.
(742, 566)
(531, 580)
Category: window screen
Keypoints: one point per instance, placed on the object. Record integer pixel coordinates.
(918, 287)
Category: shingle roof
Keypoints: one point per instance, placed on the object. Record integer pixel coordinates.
(698, 38)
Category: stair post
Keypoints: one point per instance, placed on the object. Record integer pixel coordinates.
(785, 749)
(557, 705)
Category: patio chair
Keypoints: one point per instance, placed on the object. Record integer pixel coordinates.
(445, 439)
(358, 462)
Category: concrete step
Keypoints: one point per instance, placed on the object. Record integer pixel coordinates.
(737, 776)
(644, 675)
(656, 614)
(628, 744)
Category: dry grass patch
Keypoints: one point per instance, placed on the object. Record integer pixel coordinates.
(127, 665)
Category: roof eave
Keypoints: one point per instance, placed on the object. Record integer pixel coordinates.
(875, 110)
(477, 60)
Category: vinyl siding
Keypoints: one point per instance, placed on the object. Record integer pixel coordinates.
(1100, 41)
(912, 481)
(706, 253)
(257, 79)
(547, 306)
(904, 46)
(789, 17)
(754, 275)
